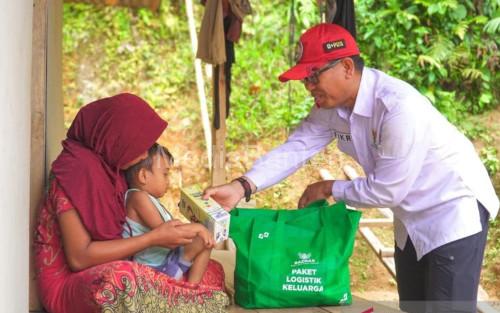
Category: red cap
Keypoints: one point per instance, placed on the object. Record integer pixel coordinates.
(319, 45)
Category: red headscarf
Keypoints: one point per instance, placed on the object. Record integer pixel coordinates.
(105, 135)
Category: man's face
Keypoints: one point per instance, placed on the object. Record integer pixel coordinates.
(330, 91)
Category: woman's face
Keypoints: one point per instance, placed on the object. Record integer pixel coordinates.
(141, 157)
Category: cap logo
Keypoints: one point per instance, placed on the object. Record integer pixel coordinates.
(299, 50)
(329, 46)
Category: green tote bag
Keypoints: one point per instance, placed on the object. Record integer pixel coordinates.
(293, 258)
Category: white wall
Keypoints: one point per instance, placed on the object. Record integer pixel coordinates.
(15, 81)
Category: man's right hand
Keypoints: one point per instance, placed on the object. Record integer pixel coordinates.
(227, 195)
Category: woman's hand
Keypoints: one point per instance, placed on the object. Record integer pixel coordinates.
(172, 234)
(82, 252)
(316, 191)
(227, 195)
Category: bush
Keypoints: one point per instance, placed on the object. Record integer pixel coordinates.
(113, 49)
(447, 49)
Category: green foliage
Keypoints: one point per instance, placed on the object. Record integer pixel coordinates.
(491, 255)
(262, 106)
(112, 49)
(490, 160)
(125, 49)
(447, 49)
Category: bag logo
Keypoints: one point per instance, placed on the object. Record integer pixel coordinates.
(344, 299)
(264, 235)
(304, 258)
(329, 46)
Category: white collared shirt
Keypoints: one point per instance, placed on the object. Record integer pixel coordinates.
(416, 162)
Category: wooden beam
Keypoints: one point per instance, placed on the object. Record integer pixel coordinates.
(153, 5)
(386, 252)
(219, 135)
(360, 305)
(351, 173)
(390, 265)
(293, 310)
(376, 222)
(47, 121)
(372, 239)
(200, 82)
(54, 118)
(38, 114)
(382, 252)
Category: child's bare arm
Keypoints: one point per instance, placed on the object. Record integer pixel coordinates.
(146, 213)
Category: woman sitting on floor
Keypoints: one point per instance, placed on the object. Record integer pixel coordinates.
(80, 255)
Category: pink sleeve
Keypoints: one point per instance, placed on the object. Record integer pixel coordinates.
(60, 201)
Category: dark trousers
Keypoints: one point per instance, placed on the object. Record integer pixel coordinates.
(444, 280)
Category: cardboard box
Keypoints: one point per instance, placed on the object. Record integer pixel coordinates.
(207, 212)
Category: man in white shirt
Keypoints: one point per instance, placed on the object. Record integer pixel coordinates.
(416, 163)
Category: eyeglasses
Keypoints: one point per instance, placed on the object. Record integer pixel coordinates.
(314, 77)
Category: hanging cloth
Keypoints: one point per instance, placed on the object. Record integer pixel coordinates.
(234, 13)
(240, 8)
(221, 27)
(211, 40)
(344, 15)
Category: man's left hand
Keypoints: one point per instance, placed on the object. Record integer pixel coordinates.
(316, 191)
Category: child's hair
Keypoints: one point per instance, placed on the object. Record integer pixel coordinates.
(147, 163)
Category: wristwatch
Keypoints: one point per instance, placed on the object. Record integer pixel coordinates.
(246, 186)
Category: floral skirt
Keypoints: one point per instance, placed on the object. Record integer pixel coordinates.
(124, 286)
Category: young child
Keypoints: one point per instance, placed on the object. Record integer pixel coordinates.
(148, 181)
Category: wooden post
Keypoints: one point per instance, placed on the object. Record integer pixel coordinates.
(219, 135)
(47, 116)
(153, 5)
(38, 100)
(200, 83)
(54, 122)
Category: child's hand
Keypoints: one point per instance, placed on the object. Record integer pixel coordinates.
(207, 237)
(202, 232)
